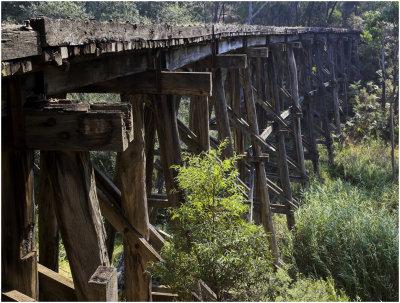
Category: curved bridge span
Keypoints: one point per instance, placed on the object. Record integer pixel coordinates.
(274, 93)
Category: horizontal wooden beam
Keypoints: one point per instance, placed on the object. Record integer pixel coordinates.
(17, 42)
(71, 125)
(227, 61)
(55, 287)
(78, 73)
(257, 52)
(263, 158)
(170, 83)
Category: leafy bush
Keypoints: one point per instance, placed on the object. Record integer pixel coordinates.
(338, 233)
(368, 120)
(212, 242)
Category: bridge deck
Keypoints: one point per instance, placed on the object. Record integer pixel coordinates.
(44, 40)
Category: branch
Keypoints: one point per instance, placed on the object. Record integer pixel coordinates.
(330, 15)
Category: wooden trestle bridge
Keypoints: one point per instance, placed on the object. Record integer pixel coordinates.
(274, 93)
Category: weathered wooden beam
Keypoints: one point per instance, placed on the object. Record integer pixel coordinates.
(199, 118)
(55, 287)
(319, 49)
(294, 88)
(257, 52)
(80, 74)
(69, 125)
(189, 138)
(156, 240)
(110, 204)
(132, 168)
(78, 214)
(332, 58)
(178, 57)
(226, 61)
(306, 70)
(168, 137)
(263, 158)
(238, 136)
(47, 221)
(18, 249)
(178, 83)
(17, 42)
(56, 32)
(218, 97)
(103, 285)
(114, 215)
(266, 214)
(12, 295)
(273, 68)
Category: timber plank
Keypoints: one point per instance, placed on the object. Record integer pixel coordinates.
(178, 83)
(132, 176)
(12, 295)
(18, 249)
(47, 221)
(113, 214)
(79, 128)
(19, 43)
(78, 215)
(85, 73)
(55, 287)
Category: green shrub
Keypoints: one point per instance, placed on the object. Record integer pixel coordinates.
(368, 120)
(212, 242)
(339, 233)
(307, 290)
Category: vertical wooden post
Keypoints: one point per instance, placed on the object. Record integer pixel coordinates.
(239, 137)
(322, 104)
(280, 137)
(132, 174)
(341, 65)
(78, 214)
(18, 250)
(48, 226)
(260, 86)
(221, 114)
(110, 230)
(261, 177)
(310, 105)
(356, 57)
(18, 253)
(168, 138)
(150, 138)
(199, 121)
(103, 285)
(47, 221)
(296, 120)
(332, 70)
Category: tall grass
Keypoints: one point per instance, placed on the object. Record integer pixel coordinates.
(347, 227)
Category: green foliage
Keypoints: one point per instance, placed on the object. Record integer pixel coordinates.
(307, 290)
(350, 231)
(212, 242)
(368, 122)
